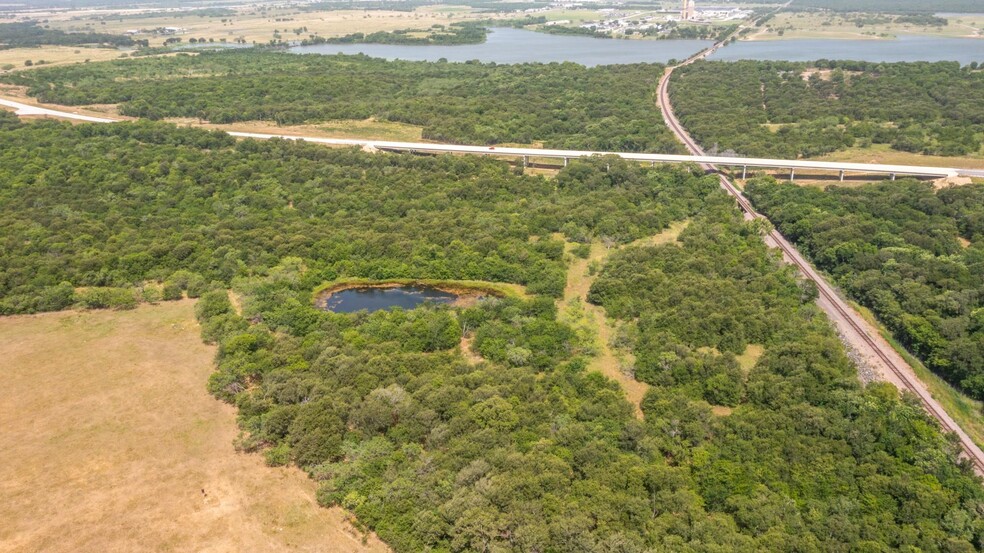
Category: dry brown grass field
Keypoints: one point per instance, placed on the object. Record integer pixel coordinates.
(800, 25)
(252, 25)
(883, 153)
(111, 443)
(366, 129)
(54, 55)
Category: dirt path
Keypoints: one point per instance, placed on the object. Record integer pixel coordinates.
(467, 352)
(574, 308)
(111, 443)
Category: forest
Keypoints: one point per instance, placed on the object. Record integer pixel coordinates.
(792, 109)
(564, 106)
(523, 450)
(30, 34)
(913, 255)
(146, 201)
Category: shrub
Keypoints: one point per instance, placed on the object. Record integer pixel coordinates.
(106, 298)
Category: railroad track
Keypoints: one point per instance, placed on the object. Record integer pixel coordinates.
(970, 450)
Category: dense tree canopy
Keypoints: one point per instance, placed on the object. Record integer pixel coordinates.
(563, 105)
(29, 34)
(789, 109)
(523, 450)
(896, 248)
(801, 432)
(113, 205)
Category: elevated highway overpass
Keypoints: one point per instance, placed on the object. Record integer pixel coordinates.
(567, 155)
(526, 154)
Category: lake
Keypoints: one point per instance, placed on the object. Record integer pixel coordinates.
(507, 45)
(374, 299)
(904, 48)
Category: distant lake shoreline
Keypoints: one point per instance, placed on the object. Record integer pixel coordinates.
(507, 45)
(903, 48)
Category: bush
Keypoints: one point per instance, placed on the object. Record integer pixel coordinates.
(277, 456)
(212, 304)
(150, 294)
(171, 292)
(106, 298)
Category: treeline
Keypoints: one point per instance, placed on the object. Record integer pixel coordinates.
(457, 33)
(896, 248)
(172, 14)
(525, 450)
(790, 110)
(471, 32)
(29, 35)
(573, 31)
(674, 32)
(922, 19)
(692, 32)
(562, 105)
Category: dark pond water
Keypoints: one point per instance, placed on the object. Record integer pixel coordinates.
(904, 48)
(507, 45)
(374, 299)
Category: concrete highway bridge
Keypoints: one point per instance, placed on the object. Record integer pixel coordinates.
(527, 154)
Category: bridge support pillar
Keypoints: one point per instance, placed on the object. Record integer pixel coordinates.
(526, 161)
(792, 175)
(744, 172)
(893, 176)
(842, 175)
(652, 164)
(566, 161)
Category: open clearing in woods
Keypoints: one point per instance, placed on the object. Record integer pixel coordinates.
(109, 439)
(575, 308)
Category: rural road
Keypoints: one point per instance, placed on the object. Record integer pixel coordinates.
(29, 110)
(857, 334)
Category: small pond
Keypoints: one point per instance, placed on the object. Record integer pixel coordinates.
(371, 298)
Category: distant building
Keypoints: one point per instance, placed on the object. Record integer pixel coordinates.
(689, 10)
(721, 12)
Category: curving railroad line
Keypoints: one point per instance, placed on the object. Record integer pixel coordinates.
(830, 300)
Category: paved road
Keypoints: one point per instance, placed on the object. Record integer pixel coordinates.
(856, 333)
(27, 110)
